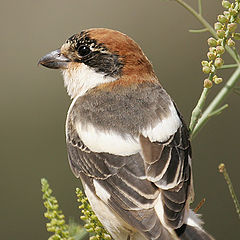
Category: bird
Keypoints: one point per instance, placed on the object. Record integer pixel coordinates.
(126, 139)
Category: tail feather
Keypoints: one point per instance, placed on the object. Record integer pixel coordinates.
(187, 232)
(192, 228)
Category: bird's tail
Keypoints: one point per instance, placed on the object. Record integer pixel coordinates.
(192, 229)
(187, 232)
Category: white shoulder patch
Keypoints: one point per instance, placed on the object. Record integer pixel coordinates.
(164, 128)
(80, 79)
(107, 141)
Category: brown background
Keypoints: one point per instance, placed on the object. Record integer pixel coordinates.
(33, 104)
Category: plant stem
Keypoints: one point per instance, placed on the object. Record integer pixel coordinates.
(198, 30)
(197, 111)
(223, 170)
(215, 103)
(208, 26)
(200, 7)
(229, 66)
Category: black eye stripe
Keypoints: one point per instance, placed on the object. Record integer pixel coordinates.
(83, 50)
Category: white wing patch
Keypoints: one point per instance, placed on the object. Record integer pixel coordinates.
(107, 141)
(101, 192)
(165, 128)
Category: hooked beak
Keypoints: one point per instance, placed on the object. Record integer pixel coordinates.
(55, 60)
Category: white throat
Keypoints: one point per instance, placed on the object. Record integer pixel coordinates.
(79, 80)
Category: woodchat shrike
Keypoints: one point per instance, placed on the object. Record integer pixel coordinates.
(126, 140)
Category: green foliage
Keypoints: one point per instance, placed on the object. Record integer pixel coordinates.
(57, 224)
(225, 30)
(93, 225)
(221, 41)
(71, 231)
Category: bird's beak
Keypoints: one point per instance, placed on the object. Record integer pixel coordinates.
(55, 60)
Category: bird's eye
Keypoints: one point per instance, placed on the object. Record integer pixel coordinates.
(83, 51)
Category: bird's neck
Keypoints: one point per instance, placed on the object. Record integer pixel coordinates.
(78, 80)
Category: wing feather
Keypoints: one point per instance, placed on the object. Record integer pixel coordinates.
(168, 166)
(133, 184)
(132, 196)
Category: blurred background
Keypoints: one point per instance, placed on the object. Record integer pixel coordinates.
(34, 103)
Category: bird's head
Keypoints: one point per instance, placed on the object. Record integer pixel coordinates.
(97, 57)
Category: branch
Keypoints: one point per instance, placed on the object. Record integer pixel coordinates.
(215, 103)
(198, 30)
(200, 7)
(222, 169)
(229, 66)
(208, 26)
(197, 111)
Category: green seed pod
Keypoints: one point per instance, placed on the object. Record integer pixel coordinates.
(218, 80)
(48, 225)
(226, 14)
(206, 69)
(47, 215)
(212, 42)
(236, 36)
(221, 33)
(204, 63)
(222, 19)
(86, 212)
(218, 62)
(237, 20)
(207, 83)
(232, 11)
(232, 27)
(87, 225)
(61, 222)
(226, 4)
(98, 229)
(219, 42)
(94, 218)
(84, 218)
(218, 26)
(54, 221)
(51, 229)
(212, 50)
(220, 50)
(211, 55)
(230, 43)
